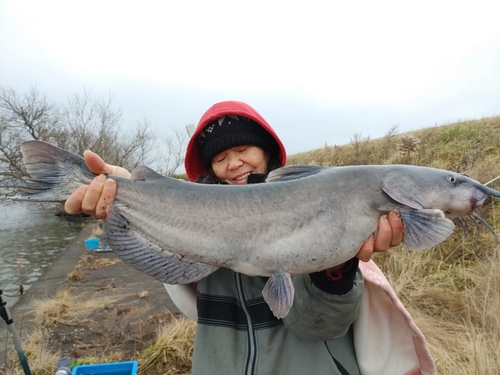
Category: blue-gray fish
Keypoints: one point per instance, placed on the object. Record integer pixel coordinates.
(304, 219)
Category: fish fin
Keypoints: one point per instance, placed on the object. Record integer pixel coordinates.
(425, 228)
(54, 173)
(294, 172)
(278, 293)
(143, 255)
(144, 173)
(405, 193)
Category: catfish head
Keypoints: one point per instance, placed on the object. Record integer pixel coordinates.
(453, 193)
(430, 199)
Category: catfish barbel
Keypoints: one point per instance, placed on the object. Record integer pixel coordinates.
(304, 219)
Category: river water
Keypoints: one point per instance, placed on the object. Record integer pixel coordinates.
(31, 237)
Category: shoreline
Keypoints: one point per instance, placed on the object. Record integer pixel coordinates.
(112, 278)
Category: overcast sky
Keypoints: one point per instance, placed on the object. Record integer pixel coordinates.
(318, 71)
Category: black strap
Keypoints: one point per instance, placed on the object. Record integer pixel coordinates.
(341, 368)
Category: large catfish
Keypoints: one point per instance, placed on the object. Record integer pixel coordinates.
(303, 219)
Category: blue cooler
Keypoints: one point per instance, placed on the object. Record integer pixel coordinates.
(92, 243)
(117, 368)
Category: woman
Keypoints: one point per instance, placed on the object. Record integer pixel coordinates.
(236, 332)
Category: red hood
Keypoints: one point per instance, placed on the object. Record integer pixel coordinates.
(192, 162)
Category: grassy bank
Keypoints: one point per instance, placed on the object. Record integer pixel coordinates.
(452, 290)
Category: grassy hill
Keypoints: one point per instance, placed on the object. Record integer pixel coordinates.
(452, 290)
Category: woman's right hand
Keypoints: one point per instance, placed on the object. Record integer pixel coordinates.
(95, 198)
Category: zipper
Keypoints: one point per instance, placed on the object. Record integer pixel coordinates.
(251, 332)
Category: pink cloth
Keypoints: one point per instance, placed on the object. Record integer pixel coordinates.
(386, 339)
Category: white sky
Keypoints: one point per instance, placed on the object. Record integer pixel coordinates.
(318, 71)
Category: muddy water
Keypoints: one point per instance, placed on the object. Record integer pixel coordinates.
(31, 236)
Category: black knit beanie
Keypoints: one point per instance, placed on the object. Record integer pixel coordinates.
(231, 131)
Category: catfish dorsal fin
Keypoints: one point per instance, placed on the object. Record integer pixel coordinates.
(294, 172)
(144, 173)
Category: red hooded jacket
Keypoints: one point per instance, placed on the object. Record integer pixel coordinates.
(192, 162)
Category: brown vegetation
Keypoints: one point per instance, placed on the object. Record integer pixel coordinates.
(452, 290)
(83, 123)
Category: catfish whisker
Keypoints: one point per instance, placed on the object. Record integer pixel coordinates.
(477, 217)
(464, 225)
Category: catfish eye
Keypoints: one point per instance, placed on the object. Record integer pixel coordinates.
(452, 179)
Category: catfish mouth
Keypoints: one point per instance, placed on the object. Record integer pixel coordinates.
(479, 195)
(477, 199)
(473, 205)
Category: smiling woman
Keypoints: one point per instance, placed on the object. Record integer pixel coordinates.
(227, 164)
(250, 154)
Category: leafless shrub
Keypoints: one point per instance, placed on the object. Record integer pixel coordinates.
(407, 145)
(84, 123)
(171, 156)
(389, 140)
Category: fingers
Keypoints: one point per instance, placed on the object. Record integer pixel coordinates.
(98, 196)
(95, 198)
(384, 234)
(92, 199)
(95, 163)
(389, 233)
(366, 251)
(73, 204)
(99, 166)
(397, 227)
(107, 196)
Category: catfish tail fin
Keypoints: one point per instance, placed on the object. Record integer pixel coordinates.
(54, 173)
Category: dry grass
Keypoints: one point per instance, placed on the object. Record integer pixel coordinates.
(452, 290)
(66, 309)
(105, 328)
(42, 358)
(172, 350)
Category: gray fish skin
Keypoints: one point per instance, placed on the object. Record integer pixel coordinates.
(304, 219)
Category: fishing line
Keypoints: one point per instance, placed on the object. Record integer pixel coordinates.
(489, 182)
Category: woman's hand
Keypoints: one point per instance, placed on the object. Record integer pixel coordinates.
(390, 233)
(95, 198)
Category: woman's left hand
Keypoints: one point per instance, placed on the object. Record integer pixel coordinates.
(390, 233)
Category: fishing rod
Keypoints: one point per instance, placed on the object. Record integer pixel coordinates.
(5, 315)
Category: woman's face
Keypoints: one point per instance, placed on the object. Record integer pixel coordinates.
(235, 164)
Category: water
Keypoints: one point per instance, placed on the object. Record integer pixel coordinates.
(31, 237)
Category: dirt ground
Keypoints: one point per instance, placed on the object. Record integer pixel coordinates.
(119, 313)
(92, 305)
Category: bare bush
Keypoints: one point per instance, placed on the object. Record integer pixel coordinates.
(172, 152)
(84, 123)
(407, 145)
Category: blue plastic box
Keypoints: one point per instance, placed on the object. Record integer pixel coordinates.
(92, 243)
(117, 368)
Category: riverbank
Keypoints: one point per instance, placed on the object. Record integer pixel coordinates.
(128, 306)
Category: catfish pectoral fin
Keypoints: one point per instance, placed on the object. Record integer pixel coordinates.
(143, 255)
(278, 293)
(425, 228)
